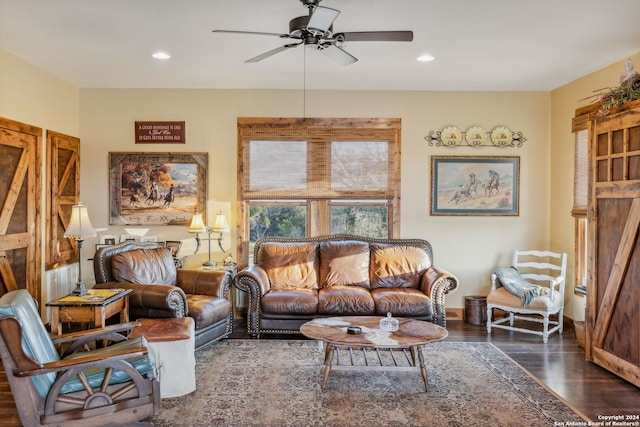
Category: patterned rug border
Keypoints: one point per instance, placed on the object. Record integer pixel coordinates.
(541, 402)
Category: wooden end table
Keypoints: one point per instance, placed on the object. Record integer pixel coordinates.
(408, 340)
(95, 308)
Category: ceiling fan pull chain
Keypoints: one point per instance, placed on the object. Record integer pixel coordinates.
(304, 84)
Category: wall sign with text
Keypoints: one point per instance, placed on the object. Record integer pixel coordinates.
(160, 132)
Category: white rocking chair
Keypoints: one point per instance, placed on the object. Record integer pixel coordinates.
(541, 268)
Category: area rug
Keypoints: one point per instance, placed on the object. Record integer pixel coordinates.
(278, 383)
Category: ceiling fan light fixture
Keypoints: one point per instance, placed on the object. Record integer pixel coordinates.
(298, 26)
(315, 30)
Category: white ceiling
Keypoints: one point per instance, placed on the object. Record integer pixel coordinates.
(479, 45)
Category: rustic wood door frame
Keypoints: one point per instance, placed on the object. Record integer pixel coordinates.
(20, 214)
(613, 296)
(63, 185)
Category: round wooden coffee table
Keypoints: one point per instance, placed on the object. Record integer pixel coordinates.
(408, 340)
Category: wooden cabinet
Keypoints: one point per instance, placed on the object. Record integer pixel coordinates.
(613, 296)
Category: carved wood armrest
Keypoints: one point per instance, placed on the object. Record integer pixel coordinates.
(81, 362)
(98, 333)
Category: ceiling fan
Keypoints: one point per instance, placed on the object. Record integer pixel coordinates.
(316, 30)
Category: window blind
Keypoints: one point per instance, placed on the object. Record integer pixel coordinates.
(319, 159)
(581, 177)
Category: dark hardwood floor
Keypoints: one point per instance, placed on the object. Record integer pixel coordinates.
(559, 365)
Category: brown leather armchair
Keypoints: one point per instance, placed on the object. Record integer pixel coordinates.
(160, 290)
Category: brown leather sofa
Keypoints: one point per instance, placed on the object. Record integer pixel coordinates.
(295, 280)
(160, 290)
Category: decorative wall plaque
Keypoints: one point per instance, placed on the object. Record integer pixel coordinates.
(475, 136)
(159, 132)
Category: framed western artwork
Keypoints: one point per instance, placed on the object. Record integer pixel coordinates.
(463, 185)
(156, 188)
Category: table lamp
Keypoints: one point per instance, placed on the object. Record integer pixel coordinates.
(79, 228)
(220, 226)
(197, 227)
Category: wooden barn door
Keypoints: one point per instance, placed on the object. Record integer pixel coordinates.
(63, 191)
(20, 188)
(613, 296)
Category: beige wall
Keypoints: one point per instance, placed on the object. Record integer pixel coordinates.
(471, 247)
(564, 101)
(29, 95)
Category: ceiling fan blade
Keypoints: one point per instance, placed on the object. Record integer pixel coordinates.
(321, 20)
(339, 55)
(376, 36)
(283, 36)
(271, 53)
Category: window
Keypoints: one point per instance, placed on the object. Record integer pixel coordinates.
(579, 211)
(310, 177)
(362, 219)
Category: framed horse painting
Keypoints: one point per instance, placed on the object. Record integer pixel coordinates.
(156, 188)
(483, 185)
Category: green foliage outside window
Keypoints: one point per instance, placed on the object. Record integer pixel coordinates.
(291, 221)
(277, 221)
(367, 221)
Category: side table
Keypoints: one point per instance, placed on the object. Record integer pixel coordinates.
(95, 307)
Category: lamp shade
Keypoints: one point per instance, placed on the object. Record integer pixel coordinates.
(79, 225)
(220, 225)
(196, 226)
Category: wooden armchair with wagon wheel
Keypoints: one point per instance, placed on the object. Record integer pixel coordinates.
(107, 386)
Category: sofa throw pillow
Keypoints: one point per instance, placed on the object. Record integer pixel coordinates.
(144, 266)
(511, 279)
(290, 265)
(344, 263)
(397, 266)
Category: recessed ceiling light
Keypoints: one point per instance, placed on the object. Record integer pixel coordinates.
(425, 58)
(161, 55)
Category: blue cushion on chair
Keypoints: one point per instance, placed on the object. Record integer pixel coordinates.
(36, 341)
(95, 376)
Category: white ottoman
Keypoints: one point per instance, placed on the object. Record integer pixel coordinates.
(172, 346)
